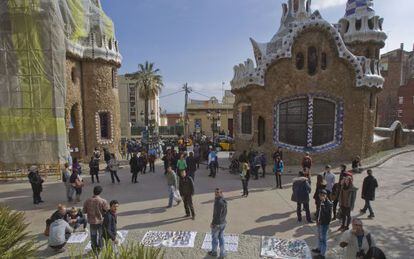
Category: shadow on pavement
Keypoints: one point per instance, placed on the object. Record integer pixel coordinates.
(274, 216)
(155, 223)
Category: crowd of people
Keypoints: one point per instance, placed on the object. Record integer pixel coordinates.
(180, 170)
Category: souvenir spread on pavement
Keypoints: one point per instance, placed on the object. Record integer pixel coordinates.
(231, 242)
(169, 238)
(287, 249)
(77, 238)
(120, 235)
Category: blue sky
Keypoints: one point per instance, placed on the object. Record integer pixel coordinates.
(199, 41)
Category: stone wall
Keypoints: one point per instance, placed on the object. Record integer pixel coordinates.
(388, 98)
(283, 79)
(73, 78)
(100, 95)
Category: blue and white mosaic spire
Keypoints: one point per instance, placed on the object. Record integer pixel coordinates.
(359, 8)
(361, 24)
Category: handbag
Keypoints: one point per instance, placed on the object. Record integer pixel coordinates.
(177, 195)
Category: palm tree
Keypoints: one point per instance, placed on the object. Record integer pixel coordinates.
(149, 83)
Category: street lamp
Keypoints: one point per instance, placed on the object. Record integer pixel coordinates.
(214, 116)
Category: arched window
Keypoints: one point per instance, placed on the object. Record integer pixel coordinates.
(300, 61)
(324, 61)
(245, 113)
(312, 60)
(371, 23)
(110, 44)
(114, 74)
(261, 128)
(73, 74)
(309, 123)
(358, 24)
(346, 26)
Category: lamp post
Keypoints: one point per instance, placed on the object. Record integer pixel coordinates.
(214, 116)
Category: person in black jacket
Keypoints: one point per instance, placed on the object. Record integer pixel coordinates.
(94, 168)
(218, 224)
(134, 165)
(368, 193)
(323, 220)
(300, 194)
(191, 165)
(36, 181)
(107, 155)
(186, 187)
(110, 221)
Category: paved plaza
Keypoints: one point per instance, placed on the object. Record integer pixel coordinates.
(266, 211)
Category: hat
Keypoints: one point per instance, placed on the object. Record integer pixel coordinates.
(33, 168)
(323, 191)
(328, 167)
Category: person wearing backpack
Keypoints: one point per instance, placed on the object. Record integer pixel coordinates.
(66, 182)
(356, 241)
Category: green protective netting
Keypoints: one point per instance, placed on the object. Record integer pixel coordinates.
(33, 37)
(32, 58)
(82, 15)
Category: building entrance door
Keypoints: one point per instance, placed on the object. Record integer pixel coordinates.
(230, 127)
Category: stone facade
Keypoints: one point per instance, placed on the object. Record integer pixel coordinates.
(396, 101)
(323, 65)
(405, 110)
(200, 123)
(132, 104)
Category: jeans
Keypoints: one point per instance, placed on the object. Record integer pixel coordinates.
(79, 222)
(322, 237)
(368, 207)
(188, 205)
(114, 174)
(264, 170)
(217, 236)
(152, 167)
(278, 180)
(69, 191)
(346, 216)
(96, 236)
(134, 177)
(245, 184)
(171, 190)
(213, 170)
(95, 175)
(335, 205)
(299, 211)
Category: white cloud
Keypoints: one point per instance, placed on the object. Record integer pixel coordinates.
(323, 4)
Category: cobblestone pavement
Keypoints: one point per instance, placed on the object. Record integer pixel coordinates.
(266, 211)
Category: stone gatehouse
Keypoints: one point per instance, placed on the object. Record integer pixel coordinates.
(314, 85)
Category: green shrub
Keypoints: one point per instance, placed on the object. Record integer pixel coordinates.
(14, 241)
(131, 250)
